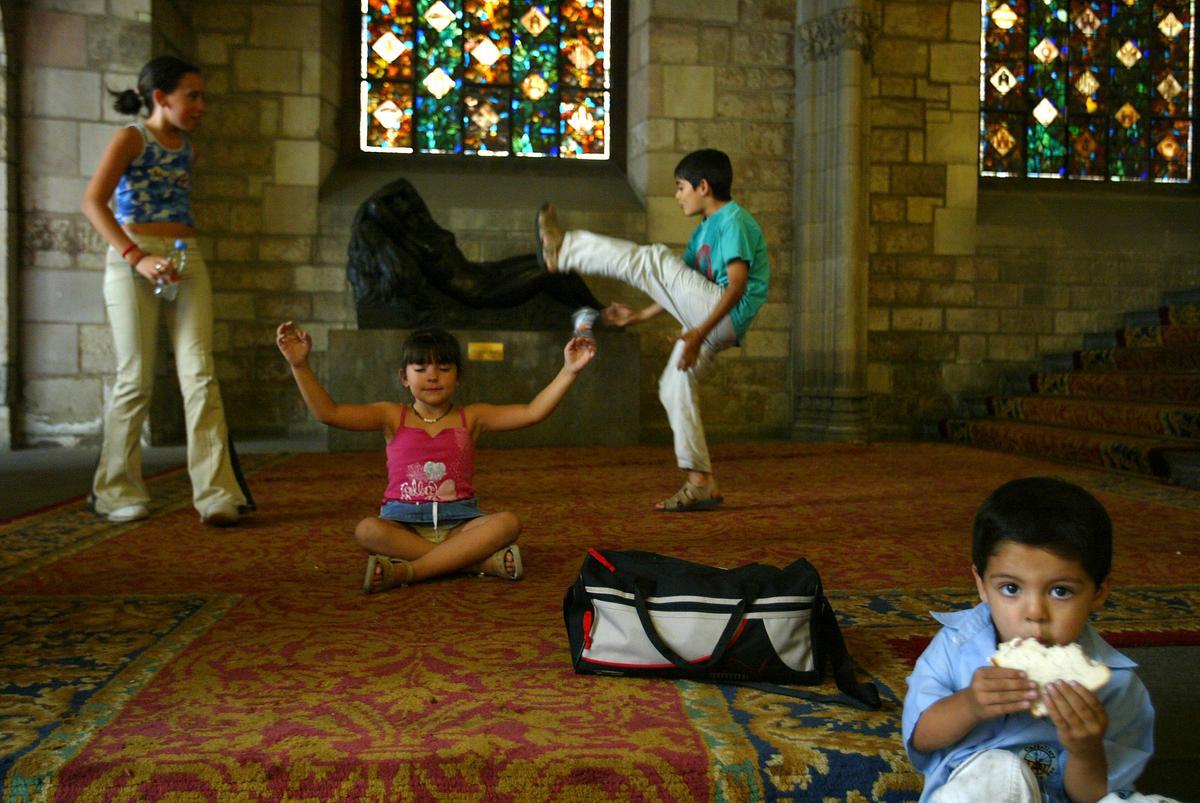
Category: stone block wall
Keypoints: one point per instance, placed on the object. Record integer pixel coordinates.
(274, 208)
(69, 54)
(969, 285)
(9, 217)
(270, 139)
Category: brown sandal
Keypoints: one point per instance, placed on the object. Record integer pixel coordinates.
(393, 572)
(494, 564)
(692, 497)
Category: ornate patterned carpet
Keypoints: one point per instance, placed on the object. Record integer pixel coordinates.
(167, 660)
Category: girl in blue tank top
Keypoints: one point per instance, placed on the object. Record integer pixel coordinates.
(148, 168)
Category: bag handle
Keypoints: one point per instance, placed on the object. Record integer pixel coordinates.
(840, 661)
(863, 696)
(750, 593)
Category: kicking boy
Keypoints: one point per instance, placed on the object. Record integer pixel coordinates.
(714, 292)
(1042, 550)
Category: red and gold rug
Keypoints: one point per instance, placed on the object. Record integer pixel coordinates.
(166, 659)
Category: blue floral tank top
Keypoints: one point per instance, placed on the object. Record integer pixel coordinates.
(157, 185)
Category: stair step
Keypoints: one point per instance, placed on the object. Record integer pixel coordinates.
(1058, 363)
(1180, 314)
(1152, 358)
(1108, 450)
(1180, 388)
(1182, 297)
(1142, 318)
(1183, 468)
(975, 407)
(1101, 340)
(1108, 415)
(1160, 335)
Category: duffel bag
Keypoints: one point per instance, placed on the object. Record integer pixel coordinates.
(640, 613)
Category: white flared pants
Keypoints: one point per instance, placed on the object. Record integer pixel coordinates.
(684, 293)
(133, 312)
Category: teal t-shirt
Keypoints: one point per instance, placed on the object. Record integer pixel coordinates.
(732, 233)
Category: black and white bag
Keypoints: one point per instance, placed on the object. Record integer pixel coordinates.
(640, 613)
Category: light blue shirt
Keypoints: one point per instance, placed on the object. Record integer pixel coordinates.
(732, 233)
(966, 641)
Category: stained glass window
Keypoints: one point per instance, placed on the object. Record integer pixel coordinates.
(1088, 89)
(485, 78)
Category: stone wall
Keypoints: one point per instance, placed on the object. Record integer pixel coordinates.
(273, 205)
(272, 71)
(9, 217)
(69, 54)
(968, 285)
(961, 285)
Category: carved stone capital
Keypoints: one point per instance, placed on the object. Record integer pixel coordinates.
(843, 29)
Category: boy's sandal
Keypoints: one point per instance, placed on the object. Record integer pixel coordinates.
(494, 564)
(691, 497)
(393, 572)
(545, 223)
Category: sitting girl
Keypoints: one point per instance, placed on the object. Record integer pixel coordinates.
(429, 523)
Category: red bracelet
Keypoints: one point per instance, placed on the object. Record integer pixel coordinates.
(128, 248)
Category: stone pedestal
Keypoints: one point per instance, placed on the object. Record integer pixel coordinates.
(601, 408)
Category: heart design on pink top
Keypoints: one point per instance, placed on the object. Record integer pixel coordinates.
(434, 471)
(447, 491)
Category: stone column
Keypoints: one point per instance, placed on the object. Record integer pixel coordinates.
(8, 252)
(829, 295)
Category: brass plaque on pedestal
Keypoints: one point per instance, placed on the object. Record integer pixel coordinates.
(485, 352)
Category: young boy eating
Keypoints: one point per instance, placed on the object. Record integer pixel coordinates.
(1041, 554)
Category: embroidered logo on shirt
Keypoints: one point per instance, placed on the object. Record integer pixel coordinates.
(1041, 758)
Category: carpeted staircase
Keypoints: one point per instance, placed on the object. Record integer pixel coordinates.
(1128, 400)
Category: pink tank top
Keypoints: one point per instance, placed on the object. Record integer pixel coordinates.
(430, 469)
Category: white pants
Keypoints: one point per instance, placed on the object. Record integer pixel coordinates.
(688, 296)
(133, 312)
(998, 776)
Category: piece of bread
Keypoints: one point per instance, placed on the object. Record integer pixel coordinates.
(1044, 664)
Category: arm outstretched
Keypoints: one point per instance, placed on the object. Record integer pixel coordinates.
(295, 344)
(502, 417)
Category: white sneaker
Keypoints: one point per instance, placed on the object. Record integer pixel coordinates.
(222, 514)
(128, 513)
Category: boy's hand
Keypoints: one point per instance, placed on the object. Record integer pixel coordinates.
(578, 353)
(294, 344)
(995, 691)
(618, 314)
(1078, 716)
(692, 340)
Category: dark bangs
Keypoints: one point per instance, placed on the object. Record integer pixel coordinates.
(432, 346)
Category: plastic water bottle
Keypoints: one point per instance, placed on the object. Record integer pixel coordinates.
(584, 320)
(178, 258)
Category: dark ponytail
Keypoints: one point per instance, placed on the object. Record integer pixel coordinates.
(164, 72)
(127, 102)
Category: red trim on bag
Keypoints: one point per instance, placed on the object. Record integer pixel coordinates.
(603, 561)
(741, 629)
(587, 630)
